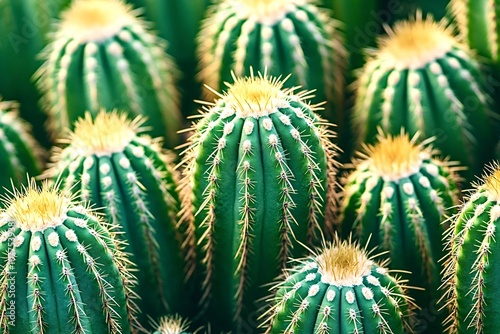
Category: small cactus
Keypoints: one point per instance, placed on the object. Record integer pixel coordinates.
(102, 56)
(423, 80)
(339, 291)
(128, 175)
(171, 325)
(258, 179)
(62, 269)
(396, 200)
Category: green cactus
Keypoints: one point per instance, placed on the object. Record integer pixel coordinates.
(340, 291)
(259, 176)
(102, 56)
(396, 200)
(20, 153)
(129, 176)
(282, 36)
(63, 271)
(470, 275)
(171, 325)
(421, 79)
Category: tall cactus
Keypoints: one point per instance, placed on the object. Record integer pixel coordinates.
(424, 80)
(340, 290)
(259, 177)
(102, 56)
(129, 176)
(62, 269)
(396, 200)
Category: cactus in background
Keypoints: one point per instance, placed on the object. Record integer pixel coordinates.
(396, 200)
(103, 57)
(127, 175)
(259, 176)
(20, 153)
(282, 36)
(62, 269)
(421, 79)
(171, 325)
(340, 291)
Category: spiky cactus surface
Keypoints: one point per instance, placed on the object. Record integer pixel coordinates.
(340, 290)
(282, 36)
(259, 177)
(423, 80)
(108, 163)
(172, 325)
(62, 269)
(102, 56)
(396, 200)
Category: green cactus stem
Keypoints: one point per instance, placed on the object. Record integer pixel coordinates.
(421, 79)
(131, 178)
(172, 325)
(259, 178)
(340, 290)
(103, 57)
(396, 200)
(63, 271)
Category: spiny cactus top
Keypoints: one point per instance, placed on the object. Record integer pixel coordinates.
(471, 275)
(172, 325)
(62, 269)
(259, 177)
(284, 36)
(340, 291)
(423, 80)
(109, 163)
(102, 56)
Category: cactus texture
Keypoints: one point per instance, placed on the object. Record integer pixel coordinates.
(470, 274)
(397, 199)
(172, 325)
(340, 291)
(259, 177)
(127, 175)
(62, 269)
(102, 56)
(281, 36)
(20, 154)
(421, 79)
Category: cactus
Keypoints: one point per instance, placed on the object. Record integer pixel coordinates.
(127, 175)
(171, 325)
(62, 269)
(340, 290)
(423, 80)
(396, 199)
(281, 36)
(258, 179)
(20, 153)
(102, 56)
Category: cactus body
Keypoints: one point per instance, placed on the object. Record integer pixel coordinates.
(19, 152)
(130, 178)
(258, 179)
(172, 325)
(421, 79)
(102, 56)
(397, 199)
(339, 291)
(62, 269)
(281, 36)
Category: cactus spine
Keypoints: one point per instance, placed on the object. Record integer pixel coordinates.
(172, 325)
(421, 79)
(128, 175)
(102, 56)
(396, 200)
(259, 178)
(62, 269)
(339, 291)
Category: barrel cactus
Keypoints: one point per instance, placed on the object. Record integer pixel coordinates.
(102, 56)
(258, 179)
(340, 290)
(281, 36)
(128, 175)
(171, 325)
(423, 80)
(396, 200)
(63, 271)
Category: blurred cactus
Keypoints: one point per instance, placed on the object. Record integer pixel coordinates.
(171, 325)
(102, 56)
